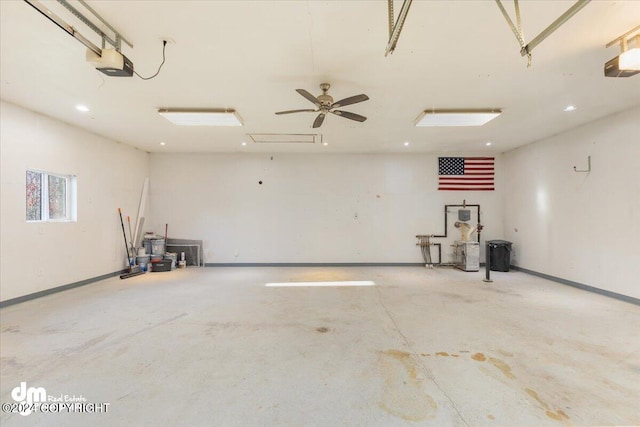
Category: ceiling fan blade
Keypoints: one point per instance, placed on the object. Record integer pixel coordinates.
(318, 121)
(308, 96)
(351, 100)
(294, 111)
(350, 116)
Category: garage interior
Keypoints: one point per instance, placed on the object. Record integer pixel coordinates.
(341, 255)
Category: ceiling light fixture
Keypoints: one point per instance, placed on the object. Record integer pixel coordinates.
(243, 143)
(82, 108)
(456, 117)
(285, 138)
(325, 143)
(627, 63)
(162, 143)
(570, 108)
(488, 144)
(406, 144)
(201, 117)
(630, 58)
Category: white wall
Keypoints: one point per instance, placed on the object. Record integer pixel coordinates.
(310, 208)
(39, 256)
(578, 226)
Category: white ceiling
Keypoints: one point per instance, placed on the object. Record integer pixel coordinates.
(252, 55)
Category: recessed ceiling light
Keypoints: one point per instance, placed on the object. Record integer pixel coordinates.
(243, 143)
(456, 117)
(162, 143)
(325, 143)
(488, 144)
(570, 108)
(406, 144)
(202, 117)
(82, 108)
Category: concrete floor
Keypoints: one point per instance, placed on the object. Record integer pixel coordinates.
(214, 346)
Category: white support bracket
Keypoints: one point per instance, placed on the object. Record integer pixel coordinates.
(527, 48)
(62, 24)
(394, 29)
(115, 41)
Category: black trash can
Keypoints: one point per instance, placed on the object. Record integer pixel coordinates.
(500, 252)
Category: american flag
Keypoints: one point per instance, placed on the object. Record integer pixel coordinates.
(466, 173)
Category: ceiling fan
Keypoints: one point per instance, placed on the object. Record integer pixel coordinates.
(326, 105)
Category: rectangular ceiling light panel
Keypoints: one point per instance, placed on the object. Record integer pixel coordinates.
(456, 117)
(205, 117)
(286, 138)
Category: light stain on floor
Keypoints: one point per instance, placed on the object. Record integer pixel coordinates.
(505, 368)
(442, 354)
(558, 414)
(403, 395)
(480, 357)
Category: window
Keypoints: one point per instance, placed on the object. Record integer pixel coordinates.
(50, 196)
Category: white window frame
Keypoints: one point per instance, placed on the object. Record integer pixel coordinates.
(70, 192)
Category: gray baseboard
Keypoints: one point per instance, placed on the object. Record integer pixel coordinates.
(582, 286)
(57, 289)
(62, 288)
(314, 264)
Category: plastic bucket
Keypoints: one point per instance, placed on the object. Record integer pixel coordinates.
(157, 247)
(147, 246)
(173, 257)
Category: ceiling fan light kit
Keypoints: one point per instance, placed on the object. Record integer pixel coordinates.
(450, 118)
(325, 105)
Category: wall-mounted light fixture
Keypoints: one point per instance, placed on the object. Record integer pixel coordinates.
(627, 63)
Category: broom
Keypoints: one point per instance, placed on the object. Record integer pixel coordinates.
(133, 271)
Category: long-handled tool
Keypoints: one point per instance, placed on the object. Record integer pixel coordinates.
(133, 247)
(166, 230)
(133, 271)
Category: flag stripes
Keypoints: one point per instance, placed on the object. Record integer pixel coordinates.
(466, 173)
